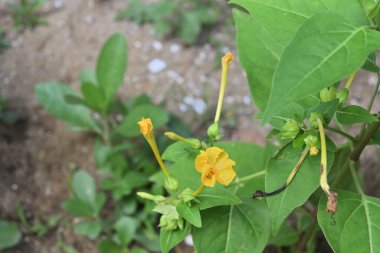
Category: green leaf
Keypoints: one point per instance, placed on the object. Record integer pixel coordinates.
(84, 187)
(91, 229)
(271, 25)
(190, 27)
(354, 114)
(10, 235)
(326, 43)
(231, 229)
(52, 97)
(126, 228)
(190, 213)
(370, 64)
(129, 126)
(78, 208)
(217, 196)
(178, 151)
(88, 76)
(305, 182)
(111, 65)
(109, 246)
(327, 110)
(170, 238)
(93, 96)
(355, 227)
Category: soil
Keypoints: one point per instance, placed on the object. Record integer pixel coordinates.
(36, 155)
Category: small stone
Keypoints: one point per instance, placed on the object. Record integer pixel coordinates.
(156, 65)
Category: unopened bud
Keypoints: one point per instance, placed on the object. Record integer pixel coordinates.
(194, 143)
(311, 140)
(148, 196)
(290, 130)
(313, 119)
(213, 130)
(327, 94)
(171, 184)
(342, 95)
(314, 151)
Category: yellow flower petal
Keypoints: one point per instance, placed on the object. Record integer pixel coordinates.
(201, 162)
(208, 178)
(225, 176)
(213, 154)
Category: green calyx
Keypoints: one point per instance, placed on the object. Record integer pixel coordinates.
(327, 94)
(290, 130)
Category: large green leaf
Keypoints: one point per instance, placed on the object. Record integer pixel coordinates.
(355, 227)
(217, 196)
(190, 213)
(10, 235)
(262, 35)
(129, 126)
(234, 229)
(111, 65)
(354, 114)
(325, 49)
(52, 97)
(305, 182)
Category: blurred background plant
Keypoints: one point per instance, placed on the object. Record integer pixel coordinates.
(25, 15)
(124, 162)
(190, 21)
(4, 43)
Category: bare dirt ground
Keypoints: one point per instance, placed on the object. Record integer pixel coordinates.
(34, 161)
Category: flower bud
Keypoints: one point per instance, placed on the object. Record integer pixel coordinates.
(311, 140)
(327, 94)
(213, 131)
(290, 130)
(314, 151)
(342, 95)
(148, 196)
(313, 119)
(171, 184)
(170, 219)
(187, 195)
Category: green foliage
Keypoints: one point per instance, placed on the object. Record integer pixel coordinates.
(25, 15)
(184, 19)
(10, 234)
(292, 51)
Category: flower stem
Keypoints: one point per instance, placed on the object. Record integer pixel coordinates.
(199, 190)
(290, 178)
(153, 145)
(349, 81)
(226, 61)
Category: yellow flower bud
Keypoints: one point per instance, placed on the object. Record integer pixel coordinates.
(146, 127)
(227, 58)
(314, 151)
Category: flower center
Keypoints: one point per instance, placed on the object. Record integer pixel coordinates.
(210, 173)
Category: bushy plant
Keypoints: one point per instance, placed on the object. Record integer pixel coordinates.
(120, 157)
(183, 19)
(24, 14)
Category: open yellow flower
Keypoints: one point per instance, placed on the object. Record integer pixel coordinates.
(215, 166)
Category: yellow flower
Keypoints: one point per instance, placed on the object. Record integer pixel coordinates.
(214, 165)
(146, 129)
(228, 58)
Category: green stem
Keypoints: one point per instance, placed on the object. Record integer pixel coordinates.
(105, 130)
(359, 147)
(355, 178)
(349, 81)
(369, 107)
(341, 132)
(199, 190)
